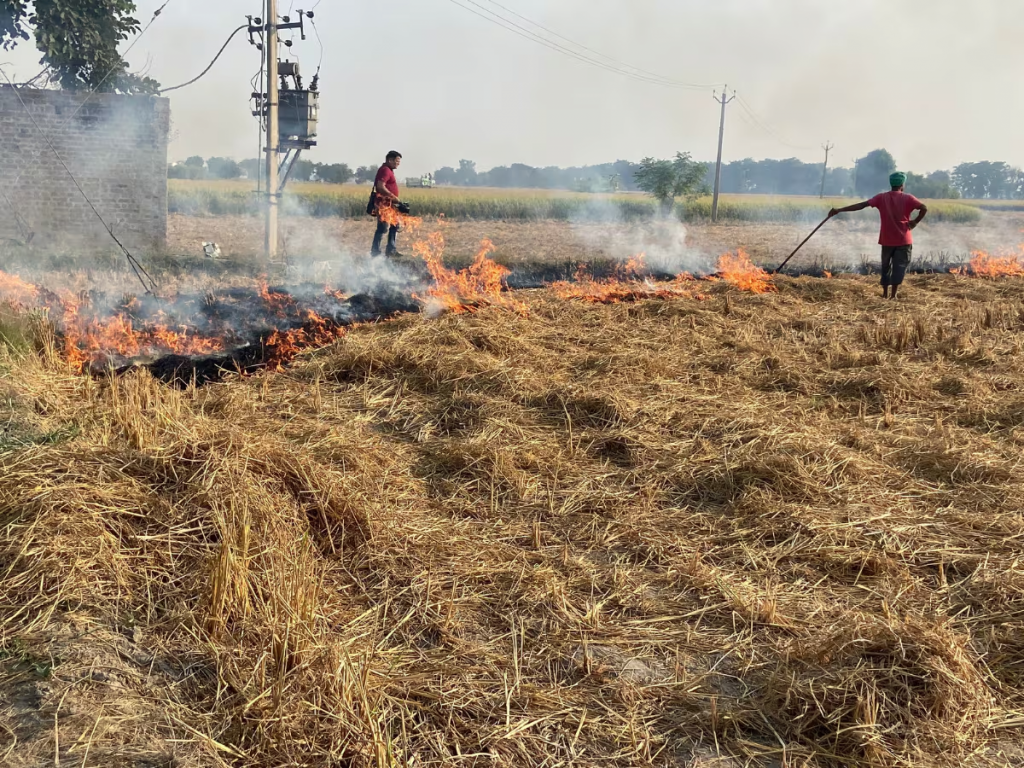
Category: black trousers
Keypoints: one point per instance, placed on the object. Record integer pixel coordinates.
(392, 232)
(895, 260)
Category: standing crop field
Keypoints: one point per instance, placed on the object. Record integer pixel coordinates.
(349, 201)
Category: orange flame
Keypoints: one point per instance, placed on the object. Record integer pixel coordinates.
(624, 288)
(395, 219)
(983, 264)
(276, 302)
(465, 290)
(737, 269)
(634, 266)
(14, 290)
(88, 341)
(316, 331)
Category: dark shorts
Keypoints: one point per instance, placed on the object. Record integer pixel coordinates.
(895, 260)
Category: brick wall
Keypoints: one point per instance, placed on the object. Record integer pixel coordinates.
(116, 147)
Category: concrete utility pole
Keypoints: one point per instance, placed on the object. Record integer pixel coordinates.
(298, 127)
(273, 132)
(718, 166)
(828, 147)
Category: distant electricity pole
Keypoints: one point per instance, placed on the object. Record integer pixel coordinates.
(721, 138)
(828, 147)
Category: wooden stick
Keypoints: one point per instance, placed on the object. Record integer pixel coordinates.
(779, 268)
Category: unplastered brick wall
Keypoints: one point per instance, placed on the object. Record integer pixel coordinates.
(116, 148)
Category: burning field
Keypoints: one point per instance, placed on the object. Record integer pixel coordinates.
(696, 521)
(194, 338)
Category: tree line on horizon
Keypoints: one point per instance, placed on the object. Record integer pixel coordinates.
(970, 180)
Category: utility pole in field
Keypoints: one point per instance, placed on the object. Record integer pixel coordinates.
(718, 165)
(290, 111)
(828, 147)
(273, 133)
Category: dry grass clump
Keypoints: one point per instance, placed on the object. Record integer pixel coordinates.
(755, 530)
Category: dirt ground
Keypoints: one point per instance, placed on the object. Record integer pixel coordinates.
(687, 247)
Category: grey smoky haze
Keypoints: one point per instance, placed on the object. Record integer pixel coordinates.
(934, 82)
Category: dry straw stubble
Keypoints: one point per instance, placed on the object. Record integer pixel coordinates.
(782, 527)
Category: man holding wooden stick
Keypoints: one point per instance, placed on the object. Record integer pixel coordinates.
(896, 240)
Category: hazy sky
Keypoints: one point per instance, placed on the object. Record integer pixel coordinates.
(936, 82)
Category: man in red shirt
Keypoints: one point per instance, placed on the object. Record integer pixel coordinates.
(385, 192)
(897, 243)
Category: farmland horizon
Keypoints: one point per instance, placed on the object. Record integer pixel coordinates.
(808, 73)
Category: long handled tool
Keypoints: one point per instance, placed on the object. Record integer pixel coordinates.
(779, 268)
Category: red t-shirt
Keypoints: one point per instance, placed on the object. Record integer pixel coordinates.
(895, 209)
(387, 176)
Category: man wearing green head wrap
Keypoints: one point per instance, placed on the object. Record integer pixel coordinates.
(897, 243)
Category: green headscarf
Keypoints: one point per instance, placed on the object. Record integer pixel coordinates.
(898, 179)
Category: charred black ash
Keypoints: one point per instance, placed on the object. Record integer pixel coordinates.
(255, 327)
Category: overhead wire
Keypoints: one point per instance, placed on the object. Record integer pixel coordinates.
(609, 64)
(321, 42)
(511, 26)
(260, 121)
(208, 68)
(764, 127)
(668, 80)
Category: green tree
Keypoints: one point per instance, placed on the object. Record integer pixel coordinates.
(193, 168)
(665, 180)
(251, 167)
(180, 171)
(935, 186)
(339, 173)
(466, 175)
(78, 40)
(445, 175)
(365, 173)
(223, 168)
(987, 179)
(871, 173)
(302, 170)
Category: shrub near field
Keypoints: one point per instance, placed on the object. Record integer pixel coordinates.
(347, 201)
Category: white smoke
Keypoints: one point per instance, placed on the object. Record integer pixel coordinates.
(315, 255)
(664, 240)
(846, 243)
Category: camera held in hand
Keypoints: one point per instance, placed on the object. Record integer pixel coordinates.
(403, 208)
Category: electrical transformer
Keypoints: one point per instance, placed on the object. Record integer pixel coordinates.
(297, 117)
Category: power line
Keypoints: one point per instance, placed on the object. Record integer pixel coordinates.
(668, 80)
(215, 58)
(609, 64)
(321, 42)
(518, 29)
(764, 127)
